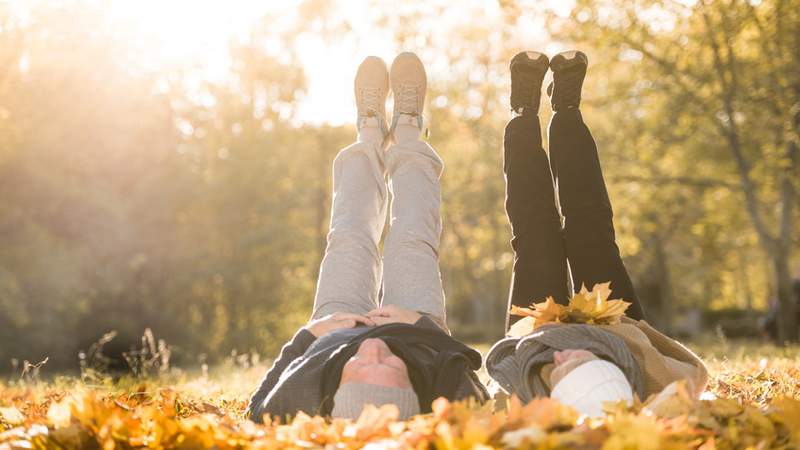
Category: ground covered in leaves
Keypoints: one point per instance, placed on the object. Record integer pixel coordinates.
(753, 401)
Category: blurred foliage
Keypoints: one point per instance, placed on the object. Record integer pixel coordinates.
(703, 104)
(134, 197)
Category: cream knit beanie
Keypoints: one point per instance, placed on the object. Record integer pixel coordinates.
(590, 385)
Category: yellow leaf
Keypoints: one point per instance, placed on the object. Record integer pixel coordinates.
(529, 435)
(786, 410)
(11, 416)
(673, 401)
(582, 301)
(591, 307)
(548, 312)
(59, 414)
(628, 432)
(613, 311)
(517, 311)
(602, 290)
(724, 407)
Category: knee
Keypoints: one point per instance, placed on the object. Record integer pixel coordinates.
(413, 241)
(344, 237)
(588, 211)
(358, 149)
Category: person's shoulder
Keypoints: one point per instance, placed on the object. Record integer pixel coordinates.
(427, 322)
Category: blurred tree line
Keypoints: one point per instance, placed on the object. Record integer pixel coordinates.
(136, 198)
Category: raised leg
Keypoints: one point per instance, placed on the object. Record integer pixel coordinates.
(350, 274)
(589, 228)
(540, 265)
(411, 252)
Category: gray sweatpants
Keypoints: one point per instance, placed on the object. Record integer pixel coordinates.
(352, 269)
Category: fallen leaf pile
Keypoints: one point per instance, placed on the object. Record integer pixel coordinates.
(590, 307)
(147, 416)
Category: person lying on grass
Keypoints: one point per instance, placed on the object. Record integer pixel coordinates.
(353, 352)
(588, 352)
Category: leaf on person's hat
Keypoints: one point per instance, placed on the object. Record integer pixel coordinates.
(589, 307)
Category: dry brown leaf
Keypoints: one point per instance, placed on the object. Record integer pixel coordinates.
(587, 307)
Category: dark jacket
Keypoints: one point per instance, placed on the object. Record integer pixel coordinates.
(307, 373)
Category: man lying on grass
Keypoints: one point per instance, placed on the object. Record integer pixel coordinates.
(600, 356)
(352, 352)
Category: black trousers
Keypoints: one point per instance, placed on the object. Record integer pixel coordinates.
(541, 245)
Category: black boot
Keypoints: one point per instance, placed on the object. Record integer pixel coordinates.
(569, 70)
(527, 72)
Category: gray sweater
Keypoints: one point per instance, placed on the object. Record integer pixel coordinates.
(516, 363)
(294, 383)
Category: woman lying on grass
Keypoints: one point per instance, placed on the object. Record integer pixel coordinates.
(353, 352)
(600, 356)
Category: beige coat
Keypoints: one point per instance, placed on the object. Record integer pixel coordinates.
(661, 358)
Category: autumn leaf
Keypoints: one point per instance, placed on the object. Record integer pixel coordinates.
(545, 312)
(594, 307)
(548, 312)
(11, 416)
(587, 307)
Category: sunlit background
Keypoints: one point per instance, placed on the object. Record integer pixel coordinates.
(166, 164)
(198, 35)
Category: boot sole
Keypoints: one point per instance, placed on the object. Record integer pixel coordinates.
(568, 60)
(530, 59)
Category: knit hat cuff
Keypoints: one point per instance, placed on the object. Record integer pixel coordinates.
(351, 398)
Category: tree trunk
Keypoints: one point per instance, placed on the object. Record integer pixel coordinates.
(787, 320)
(664, 283)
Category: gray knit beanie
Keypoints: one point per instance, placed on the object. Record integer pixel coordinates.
(351, 398)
